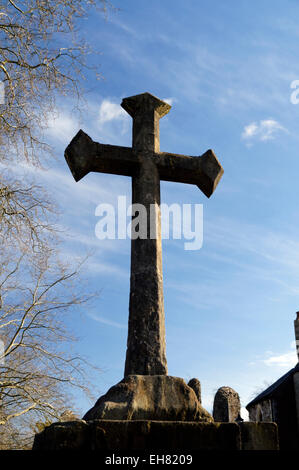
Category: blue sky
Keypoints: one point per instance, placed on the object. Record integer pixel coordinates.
(226, 67)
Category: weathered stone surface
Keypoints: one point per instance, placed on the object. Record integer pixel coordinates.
(259, 436)
(156, 435)
(155, 397)
(296, 326)
(146, 350)
(121, 435)
(168, 435)
(195, 385)
(196, 436)
(146, 347)
(296, 393)
(227, 405)
(72, 435)
(296, 375)
(261, 411)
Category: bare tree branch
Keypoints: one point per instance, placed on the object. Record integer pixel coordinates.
(42, 55)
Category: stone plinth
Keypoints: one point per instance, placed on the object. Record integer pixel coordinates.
(259, 436)
(109, 435)
(149, 397)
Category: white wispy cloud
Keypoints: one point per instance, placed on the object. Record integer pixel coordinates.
(75, 195)
(278, 247)
(110, 111)
(263, 130)
(285, 360)
(103, 120)
(62, 126)
(105, 321)
(270, 258)
(110, 123)
(170, 100)
(108, 269)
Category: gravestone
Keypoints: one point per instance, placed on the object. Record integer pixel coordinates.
(195, 385)
(227, 407)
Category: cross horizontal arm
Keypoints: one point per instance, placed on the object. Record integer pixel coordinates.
(84, 155)
(204, 171)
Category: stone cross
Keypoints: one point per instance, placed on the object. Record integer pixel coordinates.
(146, 165)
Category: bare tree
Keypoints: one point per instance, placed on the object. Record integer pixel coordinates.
(27, 214)
(37, 365)
(42, 55)
(37, 290)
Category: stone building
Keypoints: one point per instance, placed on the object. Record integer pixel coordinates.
(279, 403)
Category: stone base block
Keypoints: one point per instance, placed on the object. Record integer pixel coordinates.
(258, 436)
(108, 435)
(149, 397)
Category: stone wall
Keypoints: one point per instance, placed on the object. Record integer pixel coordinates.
(262, 412)
(156, 435)
(296, 390)
(280, 408)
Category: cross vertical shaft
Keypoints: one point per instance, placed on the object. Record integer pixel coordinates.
(146, 347)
